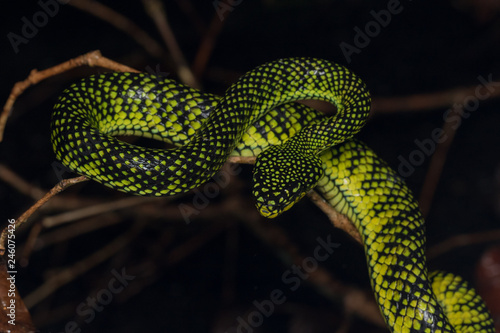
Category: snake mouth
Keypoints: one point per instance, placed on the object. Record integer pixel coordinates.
(272, 210)
(269, 211)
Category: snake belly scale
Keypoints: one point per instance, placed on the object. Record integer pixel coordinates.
(255, 118)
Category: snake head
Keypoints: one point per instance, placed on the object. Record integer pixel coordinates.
(282, 177)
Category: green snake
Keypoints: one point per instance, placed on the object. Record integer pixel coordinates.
(297, 149)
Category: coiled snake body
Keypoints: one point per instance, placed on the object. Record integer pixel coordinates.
(297, 149)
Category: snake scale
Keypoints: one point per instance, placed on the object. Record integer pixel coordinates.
(297, 149)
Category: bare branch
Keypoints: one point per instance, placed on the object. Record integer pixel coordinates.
(423, 102)
(61, 186)
(91, 59)
(354, 300)
(437, 162)
(22, 186)
(52, 221)
(120, 22)
(462, 240)
(207, 45)
(67, 275)
(157, 12)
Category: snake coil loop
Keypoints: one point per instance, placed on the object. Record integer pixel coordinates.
(297, 149)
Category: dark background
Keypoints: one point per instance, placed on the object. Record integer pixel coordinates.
(430, 46)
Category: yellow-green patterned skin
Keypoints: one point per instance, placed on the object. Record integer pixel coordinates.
(362, 186)
(142, 105)
(353, 179)
(465, 309)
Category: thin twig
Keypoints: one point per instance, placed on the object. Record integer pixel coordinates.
(21, 185)
(462, 240)
(437, 162)
(122, 23)
(189, 9)
(82, 213)
(207, 45)
(61, 186)
(430, 101)
(157, 12)
(30, 242)
(52, 221)
(354, 300)
(76, 229)
(67, 275)
(91, 59)
(162, 259)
